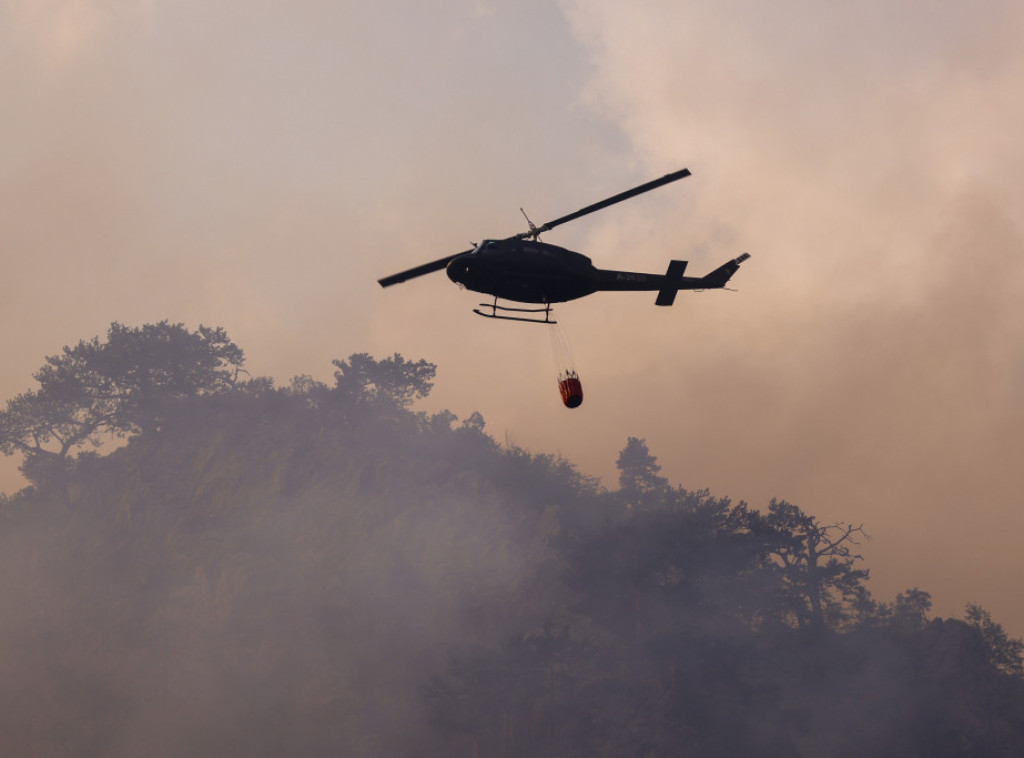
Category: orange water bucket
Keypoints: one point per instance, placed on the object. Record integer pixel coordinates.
(571, 390)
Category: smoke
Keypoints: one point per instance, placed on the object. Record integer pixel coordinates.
(870, 365)
(241, 583)
(259, 167)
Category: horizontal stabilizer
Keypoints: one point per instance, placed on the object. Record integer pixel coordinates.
(670, 286)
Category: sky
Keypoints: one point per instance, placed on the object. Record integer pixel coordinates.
(259, 165)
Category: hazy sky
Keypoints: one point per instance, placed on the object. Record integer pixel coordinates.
(258, 165)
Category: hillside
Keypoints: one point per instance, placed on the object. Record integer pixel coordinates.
(318, 570)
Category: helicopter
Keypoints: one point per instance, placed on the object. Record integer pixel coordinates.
(524, 270)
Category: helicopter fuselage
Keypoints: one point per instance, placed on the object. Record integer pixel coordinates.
(526, 271)
(531, 271)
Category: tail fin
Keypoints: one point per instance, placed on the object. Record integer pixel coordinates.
(718, 278)
(671, 283)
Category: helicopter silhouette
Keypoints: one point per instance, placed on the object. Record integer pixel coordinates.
(522, 269)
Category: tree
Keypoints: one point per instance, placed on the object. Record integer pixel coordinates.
(393, 381)
(1005, 652)
(638, 472)
(909, 612)
(816, 562)
(124, 385)
(157, 364)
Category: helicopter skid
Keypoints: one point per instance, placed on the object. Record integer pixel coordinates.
(546, 310)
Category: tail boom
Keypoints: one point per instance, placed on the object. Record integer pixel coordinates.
(673, 281)
(667, 285)
(721, 275)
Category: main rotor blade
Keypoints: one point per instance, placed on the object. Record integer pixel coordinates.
(426, 268)
(610, 201)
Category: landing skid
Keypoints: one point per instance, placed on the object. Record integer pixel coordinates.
(546, 310)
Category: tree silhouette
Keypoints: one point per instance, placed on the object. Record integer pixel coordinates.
(389, 383)
(1005, 653)
(127, 384)
(639, 480)
(816, 562)
(256, 574)
(908, 613)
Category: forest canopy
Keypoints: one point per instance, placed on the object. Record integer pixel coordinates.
(124, 385)
(321, 569)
